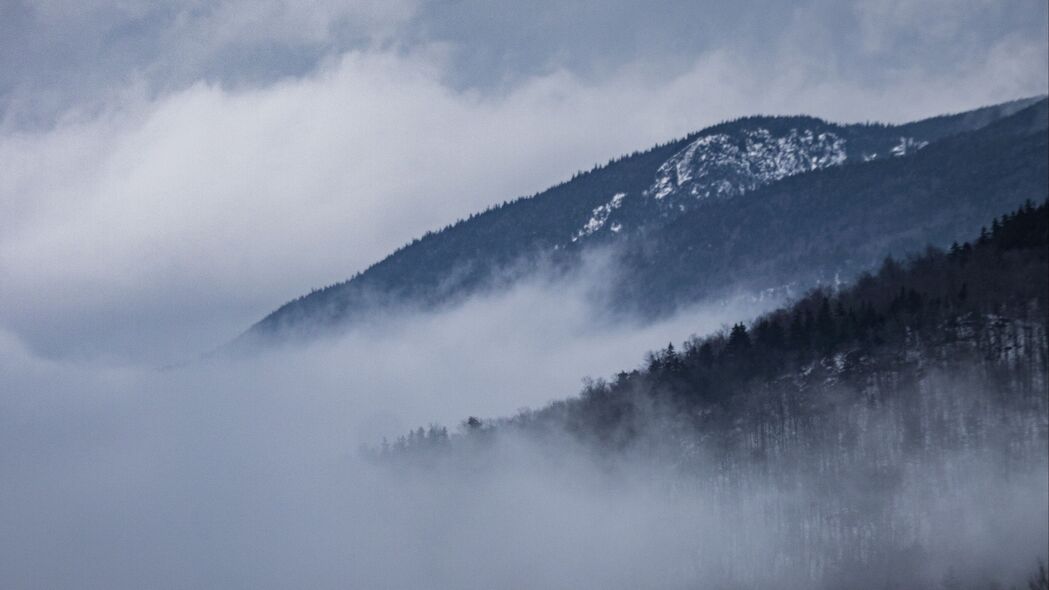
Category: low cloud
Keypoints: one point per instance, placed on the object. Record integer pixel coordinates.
(245, 473)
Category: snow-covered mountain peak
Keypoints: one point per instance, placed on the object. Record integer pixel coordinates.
(727, 162)
(722, 165)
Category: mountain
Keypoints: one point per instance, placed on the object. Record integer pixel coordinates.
(832, 223)
(875, 437)
(974, 305)
(754, 203)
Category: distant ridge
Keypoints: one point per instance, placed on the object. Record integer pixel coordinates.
(753, 203)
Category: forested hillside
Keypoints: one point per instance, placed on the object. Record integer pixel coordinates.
(833, 224)
(886, 424)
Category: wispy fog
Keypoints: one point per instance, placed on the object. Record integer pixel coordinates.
(244, 473)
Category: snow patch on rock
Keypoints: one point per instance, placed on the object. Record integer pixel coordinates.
(599, 217)
(907, 145)
(721, 165)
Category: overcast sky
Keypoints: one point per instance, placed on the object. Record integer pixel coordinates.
(171, 171)
(174, 170)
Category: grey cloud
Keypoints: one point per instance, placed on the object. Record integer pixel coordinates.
(62, 56)
(57, 57)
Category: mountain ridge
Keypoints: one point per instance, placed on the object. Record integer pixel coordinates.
(593, 207)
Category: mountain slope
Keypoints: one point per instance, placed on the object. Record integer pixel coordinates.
(980, 301)
(833, 223)
(631, 199)
(873, 438)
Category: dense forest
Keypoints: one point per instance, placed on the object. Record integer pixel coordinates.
(933, 300)
(878, 413)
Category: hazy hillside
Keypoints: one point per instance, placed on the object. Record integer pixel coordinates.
(858, 430)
